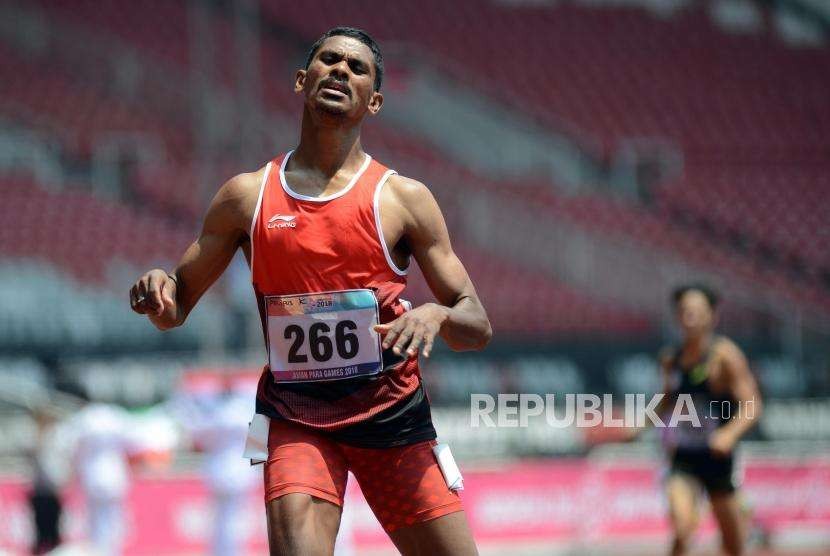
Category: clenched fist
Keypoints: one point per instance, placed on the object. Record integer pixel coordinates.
(154, 295)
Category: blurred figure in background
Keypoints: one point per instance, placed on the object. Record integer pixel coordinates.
(215, 417)
(344, 544)
(714, 373)
(48, 475)
(103, 446)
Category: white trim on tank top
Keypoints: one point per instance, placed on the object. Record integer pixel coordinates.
(390, 262)
(256, 213)
(340, 193)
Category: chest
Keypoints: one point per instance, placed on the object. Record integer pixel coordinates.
(343, 229)
(706, 375)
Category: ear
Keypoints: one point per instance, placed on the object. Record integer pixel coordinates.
(375, 102)
(299, 81)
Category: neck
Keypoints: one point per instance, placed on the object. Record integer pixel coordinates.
(698, 343)
(327, 148)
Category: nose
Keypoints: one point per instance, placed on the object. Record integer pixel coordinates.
(340, 70)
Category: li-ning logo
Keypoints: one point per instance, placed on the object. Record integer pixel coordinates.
(282, 221)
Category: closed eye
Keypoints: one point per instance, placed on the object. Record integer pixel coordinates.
(357, 66)
(329, 58)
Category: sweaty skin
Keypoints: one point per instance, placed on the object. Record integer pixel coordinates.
(409, 215)
(338, 91)
(328, 156)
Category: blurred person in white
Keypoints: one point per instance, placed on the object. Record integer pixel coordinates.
(216, 422)
(103, 444)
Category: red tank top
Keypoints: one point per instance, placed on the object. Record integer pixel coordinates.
(302, 244)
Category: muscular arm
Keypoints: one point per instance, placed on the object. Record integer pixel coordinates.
(743, 389)
(458, 317)
(167, 299)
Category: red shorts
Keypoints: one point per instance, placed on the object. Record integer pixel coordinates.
(403, 485)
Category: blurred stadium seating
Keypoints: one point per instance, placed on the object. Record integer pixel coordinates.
(690, 140)
(745, 109)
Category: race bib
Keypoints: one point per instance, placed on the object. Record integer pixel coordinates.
(323, 336)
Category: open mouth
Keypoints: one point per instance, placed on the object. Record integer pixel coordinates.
(335, 89)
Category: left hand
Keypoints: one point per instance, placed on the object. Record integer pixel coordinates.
(413, 328)
(722, 442)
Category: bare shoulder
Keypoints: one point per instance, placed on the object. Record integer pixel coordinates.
(242, 187)
(726, 348)
(407, 189)
(236, 200)
(412, 199)
(730, 356)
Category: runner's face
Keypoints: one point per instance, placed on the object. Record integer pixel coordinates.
(340, 79)
(694, 314)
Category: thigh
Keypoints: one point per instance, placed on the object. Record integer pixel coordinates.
(683, 493)
(726, 508)
(405, 487)
(301, 525)
(448, 535)
(305, 480)
(301, 460)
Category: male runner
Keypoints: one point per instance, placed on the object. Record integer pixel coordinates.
(713, 371)
(328, 233)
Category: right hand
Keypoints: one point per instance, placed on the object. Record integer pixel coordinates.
(154, 295)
